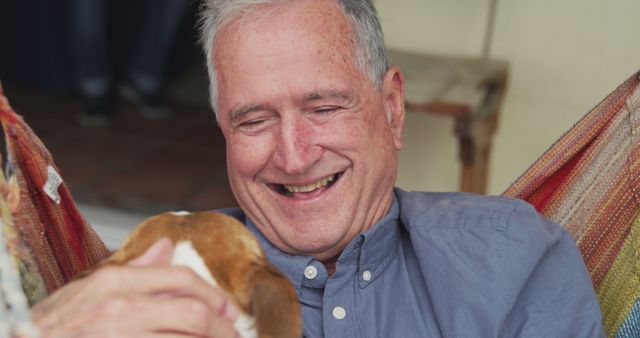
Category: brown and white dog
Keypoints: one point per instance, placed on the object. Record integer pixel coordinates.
(226, 254)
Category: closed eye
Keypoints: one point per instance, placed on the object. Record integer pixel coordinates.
(325, 110)
(251, 123)
(253, 126)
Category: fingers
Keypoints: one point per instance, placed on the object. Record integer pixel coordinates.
(146, 298)
(157, 254)
(173, 281)
(146, 316)
(127, 298)
(191, 317)
(186, 316)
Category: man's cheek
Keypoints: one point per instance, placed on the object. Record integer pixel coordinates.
(249, 148)
(243, 164)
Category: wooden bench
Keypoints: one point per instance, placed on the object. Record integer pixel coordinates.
(468, 90)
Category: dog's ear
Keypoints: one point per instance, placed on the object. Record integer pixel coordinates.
(274, 304)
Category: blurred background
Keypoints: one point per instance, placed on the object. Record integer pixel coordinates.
(563, 57)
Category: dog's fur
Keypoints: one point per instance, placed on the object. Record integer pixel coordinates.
(234, 259)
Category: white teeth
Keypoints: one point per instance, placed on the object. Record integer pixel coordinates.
(309, 187)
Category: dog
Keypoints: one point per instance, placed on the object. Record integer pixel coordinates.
(226, 254)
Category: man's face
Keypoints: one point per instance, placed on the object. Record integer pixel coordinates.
(311, 147)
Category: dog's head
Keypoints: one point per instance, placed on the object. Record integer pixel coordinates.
(224, 252)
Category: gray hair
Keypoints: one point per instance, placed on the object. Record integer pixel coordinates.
(371, 56)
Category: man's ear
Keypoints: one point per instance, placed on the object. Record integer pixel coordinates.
(393, 96)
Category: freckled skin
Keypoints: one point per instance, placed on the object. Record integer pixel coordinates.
(274, 57)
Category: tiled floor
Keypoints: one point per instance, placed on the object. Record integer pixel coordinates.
(112, 225)
(134, 165)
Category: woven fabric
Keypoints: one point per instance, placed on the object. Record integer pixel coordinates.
(54, 241)
(589, 182)
(15, 319)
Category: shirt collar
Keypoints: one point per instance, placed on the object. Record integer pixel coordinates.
(372, 250)
(380, 244)
(291, 266)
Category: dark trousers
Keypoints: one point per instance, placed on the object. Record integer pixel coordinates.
(89, 43)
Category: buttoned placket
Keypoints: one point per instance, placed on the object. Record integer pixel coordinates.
(334, 298)
(340, 293)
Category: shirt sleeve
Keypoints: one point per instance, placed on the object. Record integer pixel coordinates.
(550, 288)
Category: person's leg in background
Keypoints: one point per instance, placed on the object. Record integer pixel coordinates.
(146, 77)
(90, 54)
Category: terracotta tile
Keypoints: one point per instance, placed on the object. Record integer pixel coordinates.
(187, 164)
(153, 186)
(212, 196)
(134, 164)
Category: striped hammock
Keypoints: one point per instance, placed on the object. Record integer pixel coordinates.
(589, 182)
(46, 238)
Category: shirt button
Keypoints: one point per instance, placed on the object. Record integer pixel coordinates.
(339, 312)
(310, 272)
(366, 275)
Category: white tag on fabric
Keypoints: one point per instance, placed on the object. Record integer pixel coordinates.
(53, 183)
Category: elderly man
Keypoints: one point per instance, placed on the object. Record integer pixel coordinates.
(313, 119)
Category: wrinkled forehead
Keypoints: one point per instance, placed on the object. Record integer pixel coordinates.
(321, 19)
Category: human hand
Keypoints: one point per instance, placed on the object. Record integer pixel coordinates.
(145, 298)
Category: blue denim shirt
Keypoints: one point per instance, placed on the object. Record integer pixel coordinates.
(447, 265)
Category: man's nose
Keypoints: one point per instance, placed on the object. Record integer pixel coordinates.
(296, 149)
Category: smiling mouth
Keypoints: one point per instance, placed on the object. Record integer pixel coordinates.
(290, 190)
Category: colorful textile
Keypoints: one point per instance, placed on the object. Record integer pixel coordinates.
(589, 182)
(54, 242)
(15, 319)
